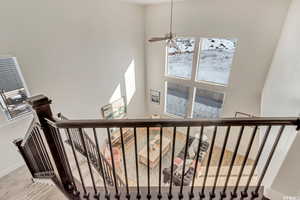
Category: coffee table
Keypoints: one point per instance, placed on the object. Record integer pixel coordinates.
(154, 151)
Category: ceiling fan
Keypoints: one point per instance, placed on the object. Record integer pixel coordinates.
(170, 37)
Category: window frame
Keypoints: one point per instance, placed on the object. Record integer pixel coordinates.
(20, 74)
(192, 83)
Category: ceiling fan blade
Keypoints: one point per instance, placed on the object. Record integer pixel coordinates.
(156, 39)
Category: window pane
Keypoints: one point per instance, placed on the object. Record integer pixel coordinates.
(14, 104)
(180, 58)
(12, 92)
(9, 76)
(177, 99)
(215, 60)
(207, 104)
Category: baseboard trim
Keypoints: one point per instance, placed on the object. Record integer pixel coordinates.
(6, 171)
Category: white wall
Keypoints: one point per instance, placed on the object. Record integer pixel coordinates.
(75, 52)
(10, 157)
(257, 26)
(281, 97)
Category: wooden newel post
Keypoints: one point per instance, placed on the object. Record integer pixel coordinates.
(41, 105)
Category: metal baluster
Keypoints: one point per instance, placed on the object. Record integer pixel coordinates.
(45, 150)
(268, 161)
(245, 160)
(104, 168)
(107, 172)
(223, 193)
(138, 196)
(197, 160)
(88, 146)
(180, 195)
(79, 144)
(85, 195)
(77, 141)
(124, 162)
(97, 194)
(38, 152)
(159, 196)
(39, 149)
(100, 163)
(94, 152)
(76, 192)
(57, 144)
(202, 194)
(212, 194)
(75, 137)
(148, 164)
(257, 159)
(33, 161)
(170, 195)
(34, 154)
(111, 174)
(113, 164)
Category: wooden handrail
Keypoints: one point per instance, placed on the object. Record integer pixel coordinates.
(259, 121)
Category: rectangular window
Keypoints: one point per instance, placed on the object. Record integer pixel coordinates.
(180, 58)
(12, 90)
(215, 60)
(187, 73)
(208, 104)
(177, 99)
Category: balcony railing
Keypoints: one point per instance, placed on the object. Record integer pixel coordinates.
(34, 152)
(206, 159)
(96, 157)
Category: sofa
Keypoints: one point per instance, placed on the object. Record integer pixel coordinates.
(190, 162)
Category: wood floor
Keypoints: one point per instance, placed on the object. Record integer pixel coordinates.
(19, 186)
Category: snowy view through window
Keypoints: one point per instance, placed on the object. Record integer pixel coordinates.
(214, 64)
(177, 99)
(207, 104)
(216, 57)
(180, 58)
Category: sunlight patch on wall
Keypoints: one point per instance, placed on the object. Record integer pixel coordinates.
(130, 82)
(116, 95)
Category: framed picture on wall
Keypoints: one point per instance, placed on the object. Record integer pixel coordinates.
(115, 110)
(155, 96)
(242, 114)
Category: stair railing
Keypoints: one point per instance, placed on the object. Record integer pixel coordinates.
(187, 189)
(34, 153)
(97, 159)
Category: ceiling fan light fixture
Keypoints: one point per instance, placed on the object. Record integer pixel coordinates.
(172, 43)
